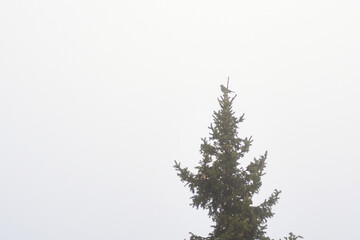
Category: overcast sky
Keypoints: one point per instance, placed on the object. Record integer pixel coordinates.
(98, 98)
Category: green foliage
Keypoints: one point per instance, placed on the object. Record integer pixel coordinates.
(292, 237)
(224, 187)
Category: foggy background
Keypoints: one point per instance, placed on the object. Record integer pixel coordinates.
(98, 98)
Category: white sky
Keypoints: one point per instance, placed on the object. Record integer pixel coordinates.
(98, 98)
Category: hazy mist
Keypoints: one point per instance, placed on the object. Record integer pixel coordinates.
(98, 98)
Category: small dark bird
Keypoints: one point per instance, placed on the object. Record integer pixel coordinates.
(225, 90)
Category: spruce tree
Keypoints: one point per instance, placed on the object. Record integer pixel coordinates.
(223, 186)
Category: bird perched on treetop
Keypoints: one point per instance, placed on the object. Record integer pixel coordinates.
(225, 89)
